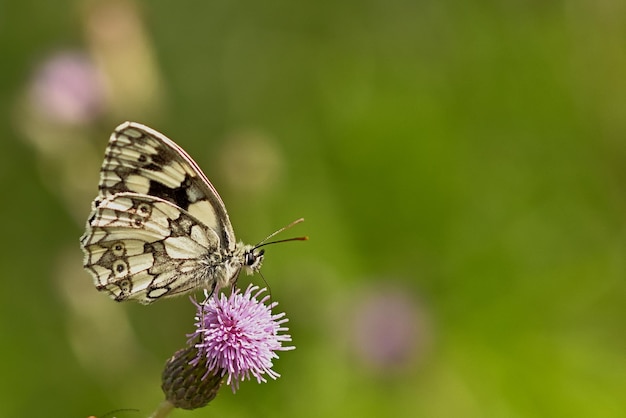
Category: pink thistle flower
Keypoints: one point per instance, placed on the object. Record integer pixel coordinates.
(238, 336)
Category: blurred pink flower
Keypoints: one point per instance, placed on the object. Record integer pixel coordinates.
(67, 88)
(388, 329)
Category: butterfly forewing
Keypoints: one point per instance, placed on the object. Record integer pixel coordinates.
(158, 228)
(141, 160)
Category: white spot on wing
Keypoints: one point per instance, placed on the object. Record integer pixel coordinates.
(183, 247)
(203, 211)
(199, 236)
(123, 234)
(118, 203)
(140, 262)
(130, 132)
(164, 279)
(134, 247)
(169, 210)
(157, 293)
(138, 184)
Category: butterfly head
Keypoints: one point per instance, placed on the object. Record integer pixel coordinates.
(252, 259)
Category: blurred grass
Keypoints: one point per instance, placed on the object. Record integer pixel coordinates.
(469, 153)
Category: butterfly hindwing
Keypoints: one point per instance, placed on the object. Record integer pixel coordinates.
(141, 247)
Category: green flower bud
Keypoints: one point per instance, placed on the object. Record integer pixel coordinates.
(188, 386)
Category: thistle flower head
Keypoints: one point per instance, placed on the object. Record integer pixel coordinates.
(238, 336)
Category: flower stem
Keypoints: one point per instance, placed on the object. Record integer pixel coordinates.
(163, 410)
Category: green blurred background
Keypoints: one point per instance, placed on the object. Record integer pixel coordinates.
(460, 166)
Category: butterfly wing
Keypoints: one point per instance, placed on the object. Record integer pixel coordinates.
(141, 160)
(144, 248)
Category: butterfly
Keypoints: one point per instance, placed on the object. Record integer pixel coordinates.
(158, 228)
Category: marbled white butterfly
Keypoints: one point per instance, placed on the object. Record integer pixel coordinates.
(158, 228)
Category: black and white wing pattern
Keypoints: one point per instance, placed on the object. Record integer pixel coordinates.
(158, 228)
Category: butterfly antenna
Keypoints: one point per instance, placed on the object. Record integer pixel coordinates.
(265, 242)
